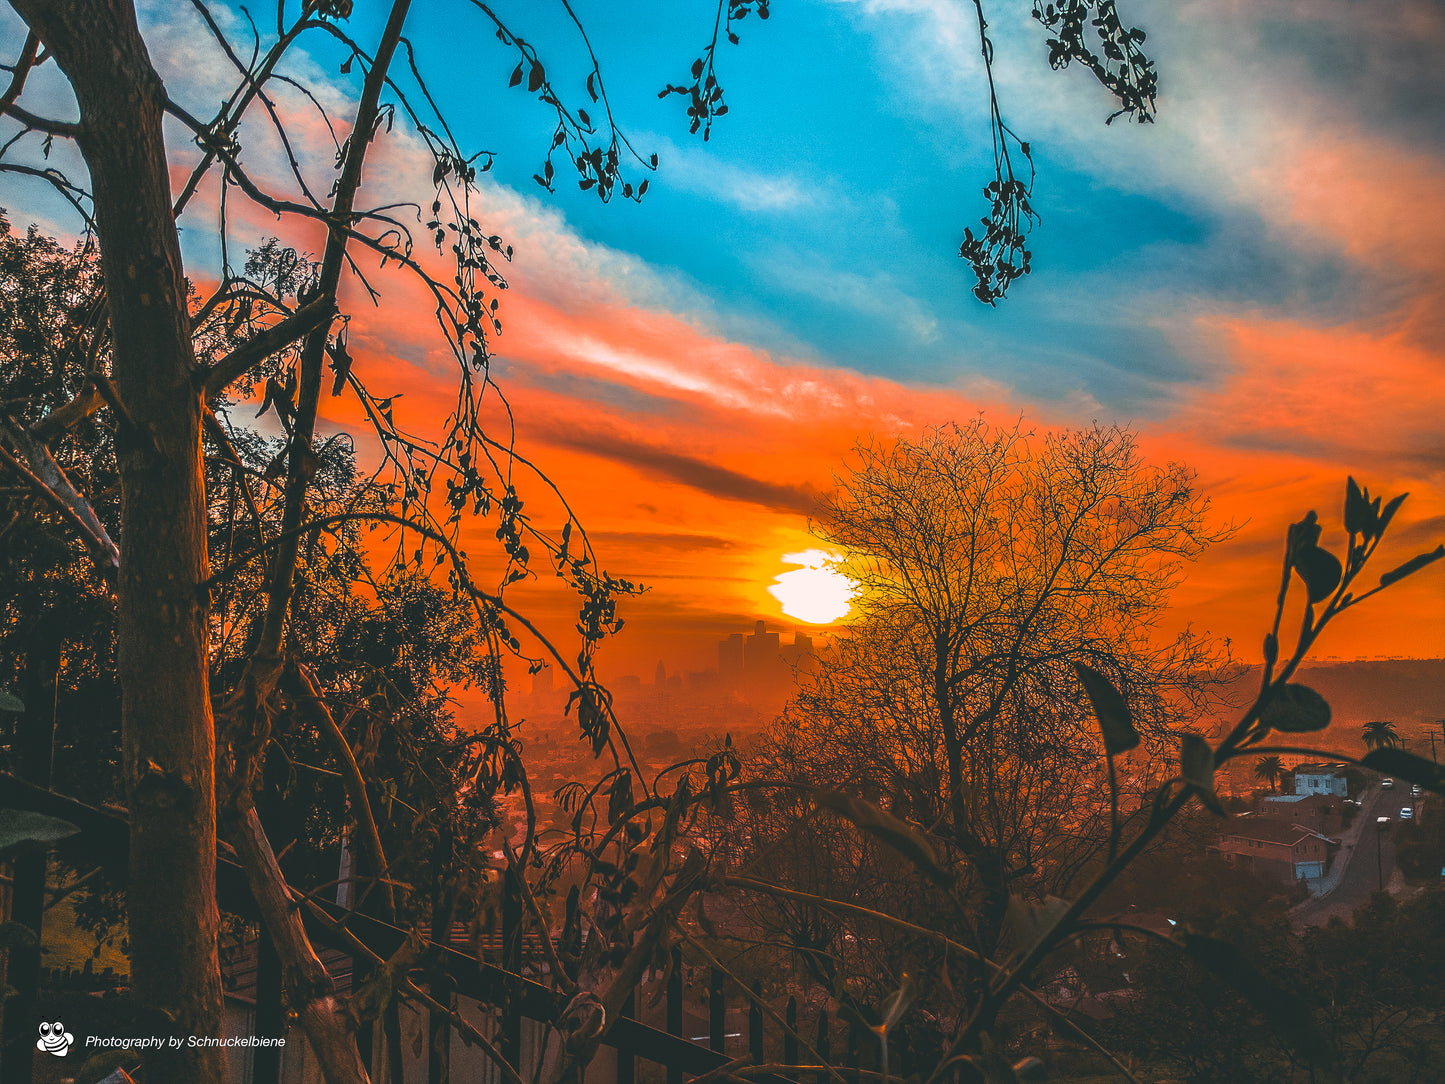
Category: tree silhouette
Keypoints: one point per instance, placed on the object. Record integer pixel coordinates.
(385, 649)
(1380, 734)
(160, 379)
(1271, 769)
(990, 562)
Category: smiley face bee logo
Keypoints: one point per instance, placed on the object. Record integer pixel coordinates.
(54, 1039)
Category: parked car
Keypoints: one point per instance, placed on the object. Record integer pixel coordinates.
(1416, 791)
(1386, 784)
(1382, 822)
(1406, 813)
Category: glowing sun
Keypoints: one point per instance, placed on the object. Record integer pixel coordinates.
(816, 592)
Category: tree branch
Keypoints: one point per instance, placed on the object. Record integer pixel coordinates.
(313, 354)
(67, 417)
(274, 339)
(28, 53)
(51, 484)
(309, 987)
(66, 129)
(355, 782)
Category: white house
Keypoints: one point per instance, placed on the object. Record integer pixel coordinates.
(1320, 779)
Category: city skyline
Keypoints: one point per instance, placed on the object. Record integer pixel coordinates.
(756, 669)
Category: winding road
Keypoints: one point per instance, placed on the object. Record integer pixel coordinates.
(1370, 861)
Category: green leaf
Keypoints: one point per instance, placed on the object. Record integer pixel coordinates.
(1296, 709)
(10, 702)
(1031, 923)
(1413, 565)
(1110, 709)
(22, 830)
(1406, 766)
(372, 997)
(619, 796)
(1196, 765)
(1320, 569)
(900, 835)
(1288, 1013)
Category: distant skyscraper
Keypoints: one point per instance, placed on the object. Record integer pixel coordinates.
(660, 677)
(762, 652)
(801, 656)
(798, 656)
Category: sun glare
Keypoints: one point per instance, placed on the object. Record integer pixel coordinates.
(815, 592)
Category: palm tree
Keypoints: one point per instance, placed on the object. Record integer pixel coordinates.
(1271, 770)
(1380, 734)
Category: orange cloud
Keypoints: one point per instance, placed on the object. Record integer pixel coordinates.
(1344, 396)
(695, 461)
(1378, 200)
(1300, 409)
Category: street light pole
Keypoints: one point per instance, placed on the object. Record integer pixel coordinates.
(1380, 853)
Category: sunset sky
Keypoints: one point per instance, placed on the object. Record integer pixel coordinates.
(1253, 283)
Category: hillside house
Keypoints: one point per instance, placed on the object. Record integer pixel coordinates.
(1274, 848)
(1321, 779)
(1321, 812)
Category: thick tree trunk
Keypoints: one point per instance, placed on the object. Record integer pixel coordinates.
(163, 612)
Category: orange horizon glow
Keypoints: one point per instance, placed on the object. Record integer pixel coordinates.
(703, 503)
(697, 460)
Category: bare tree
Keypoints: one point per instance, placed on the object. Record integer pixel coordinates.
(991, 565)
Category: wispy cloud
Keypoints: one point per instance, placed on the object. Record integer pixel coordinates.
(696, 472)
(1342, 396)
(1250, 119)
(706, 173)
(852, 294)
